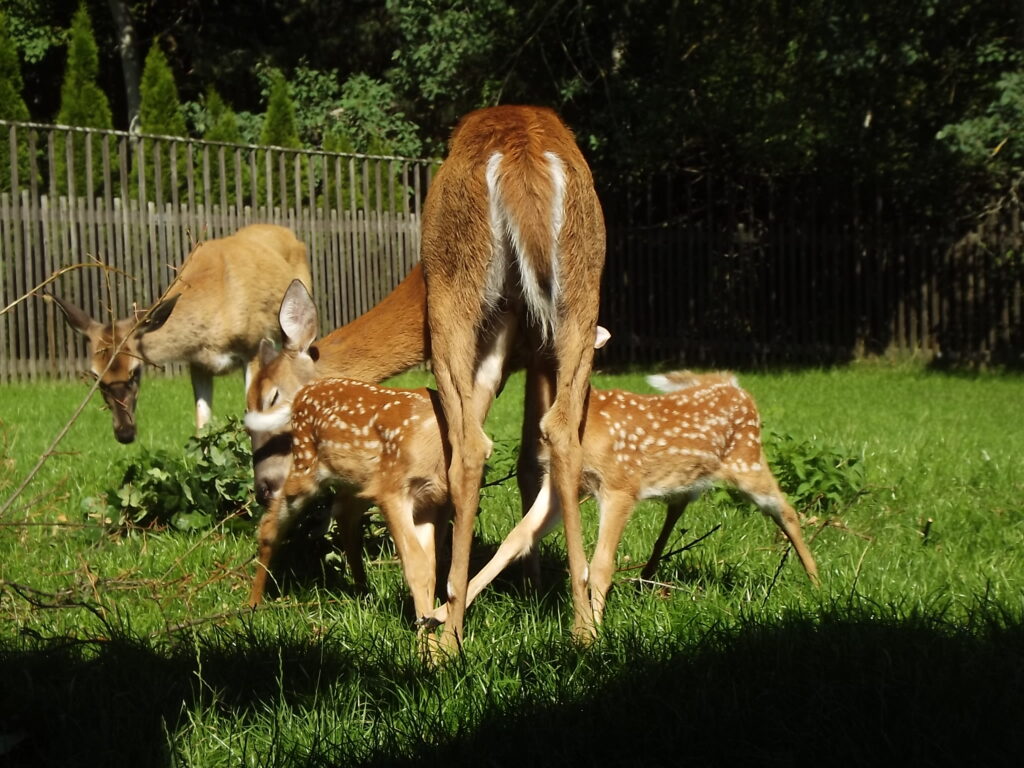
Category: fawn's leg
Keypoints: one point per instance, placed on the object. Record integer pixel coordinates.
(616, 508)
(760, 486)
(673, 511)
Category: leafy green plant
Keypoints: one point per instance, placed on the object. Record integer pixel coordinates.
(209, 482)
(816, 478)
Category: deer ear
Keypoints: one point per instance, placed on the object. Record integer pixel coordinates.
(267, 352)
(156, 316)
(75, 317)
(601, 336)
(298, 318)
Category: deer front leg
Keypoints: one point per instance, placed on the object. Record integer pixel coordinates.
(417, 563)
(267, 537)
(202, 392)
(273, 527)
(348, 511)
(531, 474)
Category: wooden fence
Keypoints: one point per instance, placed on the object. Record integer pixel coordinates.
(699, 271)
(113, 215)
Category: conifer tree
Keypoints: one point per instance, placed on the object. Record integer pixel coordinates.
(280, 130)
(12, 105)
(160, 114)
(82, 101)
(159, 107)
(221, 120)
(221, 124)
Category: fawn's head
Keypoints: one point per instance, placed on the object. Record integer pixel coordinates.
(274, 378)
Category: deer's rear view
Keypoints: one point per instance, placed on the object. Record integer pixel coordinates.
(513, 238)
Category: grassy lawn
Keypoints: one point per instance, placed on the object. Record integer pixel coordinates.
(136, 650)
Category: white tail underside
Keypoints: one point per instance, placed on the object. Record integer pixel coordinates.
(505, 235)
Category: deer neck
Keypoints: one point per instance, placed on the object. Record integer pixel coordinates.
(388, 339)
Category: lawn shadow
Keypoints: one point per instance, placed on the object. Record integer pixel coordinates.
(826, 690)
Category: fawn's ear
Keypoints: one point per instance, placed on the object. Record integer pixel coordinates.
(601, 336)
(297, 318)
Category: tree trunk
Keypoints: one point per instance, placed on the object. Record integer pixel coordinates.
(128, 47)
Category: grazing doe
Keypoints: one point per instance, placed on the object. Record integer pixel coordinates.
(704, 429)
(223, 302)
(375, 445)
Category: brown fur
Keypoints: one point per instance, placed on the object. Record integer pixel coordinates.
(374, 445)
(222, 304)
(668, 446)
(481, 282)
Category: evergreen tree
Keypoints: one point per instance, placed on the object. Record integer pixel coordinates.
(221, 124)
(159, 107)
(160, 114)
(12, 105)
(221, 121)
(82, 101)
(279, 130)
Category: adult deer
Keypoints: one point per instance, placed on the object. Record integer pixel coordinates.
(224, 301)
(705, 429)
(512, 242)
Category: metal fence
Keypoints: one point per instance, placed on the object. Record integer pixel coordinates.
(138, 204)
(699, 271)
(755, 272)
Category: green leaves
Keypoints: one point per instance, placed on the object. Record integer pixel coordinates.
(816, 478)
(209, 482)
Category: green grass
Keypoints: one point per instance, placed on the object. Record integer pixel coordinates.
(136, 651)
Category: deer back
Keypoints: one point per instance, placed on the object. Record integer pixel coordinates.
(377, 440)
(672, 443)
(229, 291)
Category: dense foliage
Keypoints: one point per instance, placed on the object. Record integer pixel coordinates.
(82, 101)
(906, 92)
(209, 483)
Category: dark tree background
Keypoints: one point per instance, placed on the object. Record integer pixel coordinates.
(925, 94)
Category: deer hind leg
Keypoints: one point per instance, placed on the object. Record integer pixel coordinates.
(760, 486)
(531, 474)
(542, 516)
(467, 381)
(560, 430)
(673, 512)
(348, 511)
(616, 507)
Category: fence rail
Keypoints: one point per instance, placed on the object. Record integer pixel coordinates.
(699, 271)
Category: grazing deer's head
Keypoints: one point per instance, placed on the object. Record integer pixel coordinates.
(117, 357)
(274, 378)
